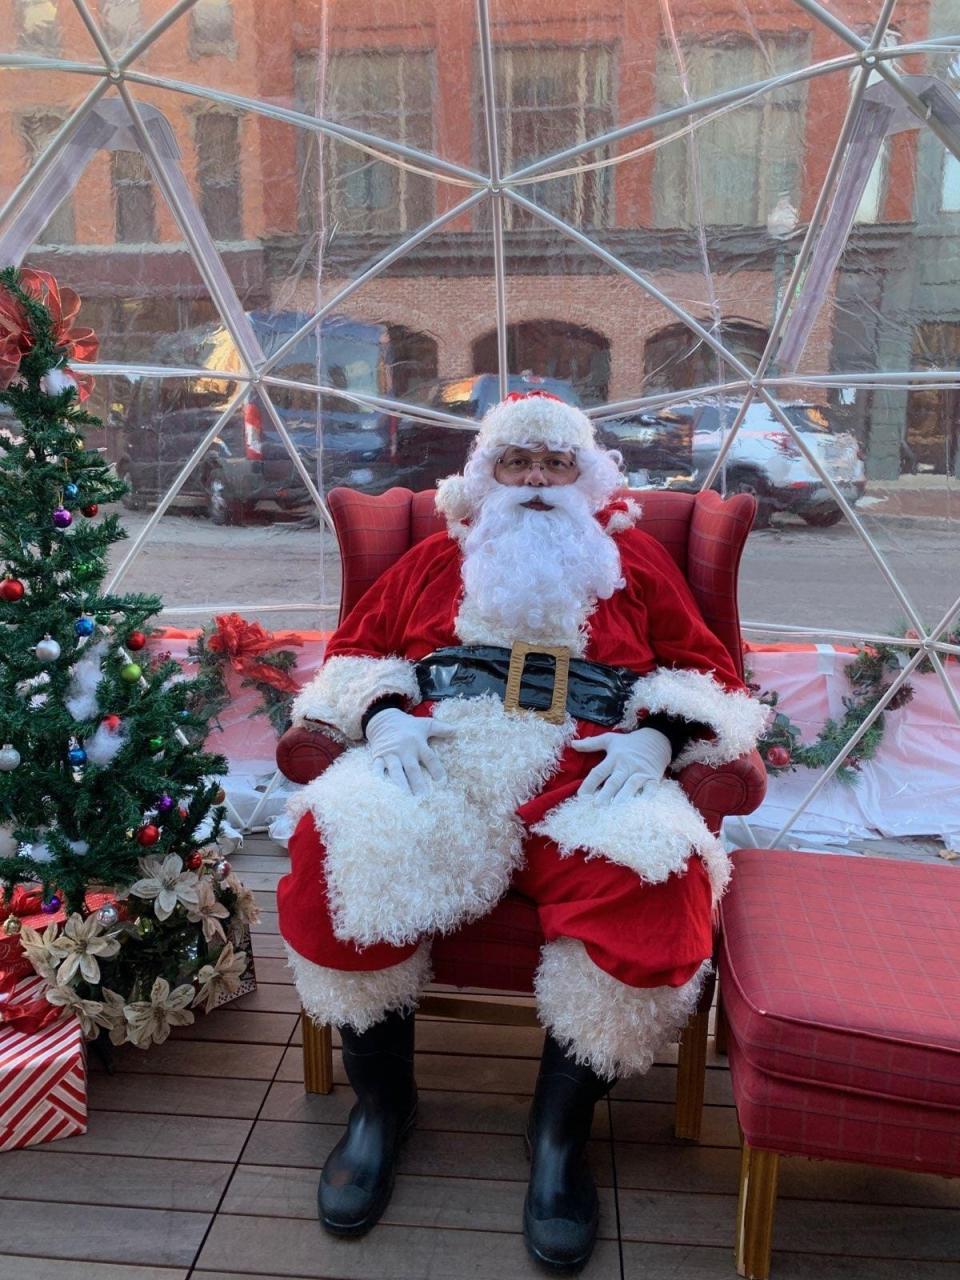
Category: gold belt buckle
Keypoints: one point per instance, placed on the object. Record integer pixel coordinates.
(556, 712)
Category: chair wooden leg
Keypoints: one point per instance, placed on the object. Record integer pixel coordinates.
(720, 1027)
(317, 1055)
(758, 1198)
(691, 1074)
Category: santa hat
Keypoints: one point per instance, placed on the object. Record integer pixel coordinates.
(535, 418)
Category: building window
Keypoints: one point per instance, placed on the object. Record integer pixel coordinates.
(133, 198)
(37, 30)
(121, 22)
(750, 156)
(38, 129)
(211, 28)
(389, 94)
(548, 99)
(871, 202)
(217, 136)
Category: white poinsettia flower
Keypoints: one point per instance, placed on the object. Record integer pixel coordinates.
(38, 948)
(222, 978)
(210, 911)
(149, 1021)
(87, 1012)
(166, 884)
(112, 1016)
(245, 910)
(78, 947)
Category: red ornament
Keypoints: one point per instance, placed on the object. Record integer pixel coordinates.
(111, 723)
(90, 509)
(148, 834)
(779, 757)
(11, 589)
(136, 640)
(195, 861)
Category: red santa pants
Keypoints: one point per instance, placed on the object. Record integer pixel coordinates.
(644, 935)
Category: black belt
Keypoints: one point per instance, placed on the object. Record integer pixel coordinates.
(527, 677)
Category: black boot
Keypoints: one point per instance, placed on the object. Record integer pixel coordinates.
(357, 1178)
(561, 1211)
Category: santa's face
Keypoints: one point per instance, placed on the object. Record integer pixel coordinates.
(536, 561)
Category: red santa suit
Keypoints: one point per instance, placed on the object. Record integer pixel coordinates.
(625, 892)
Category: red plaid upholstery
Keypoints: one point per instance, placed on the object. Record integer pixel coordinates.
(839, 984)
(704, 534)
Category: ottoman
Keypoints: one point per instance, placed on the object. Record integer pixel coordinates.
(839, 984)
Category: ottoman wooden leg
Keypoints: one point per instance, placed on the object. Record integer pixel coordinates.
(317, 1055)
(691, 1074)
(758, 1198)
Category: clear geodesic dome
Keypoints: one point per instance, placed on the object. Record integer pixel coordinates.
(317, 239)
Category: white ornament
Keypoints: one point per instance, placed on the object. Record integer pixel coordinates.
(47, 650)
(55, 381)
(104, 745)
(9, 758)
(8, 843)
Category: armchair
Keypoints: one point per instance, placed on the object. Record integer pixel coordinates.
(705, 535)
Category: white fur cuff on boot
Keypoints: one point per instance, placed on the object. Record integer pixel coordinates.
(359, 998)
(614, 1029)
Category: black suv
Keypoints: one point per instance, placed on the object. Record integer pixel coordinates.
(247, 462)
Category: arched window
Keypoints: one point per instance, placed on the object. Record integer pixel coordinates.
(675, 358)
(552, 349)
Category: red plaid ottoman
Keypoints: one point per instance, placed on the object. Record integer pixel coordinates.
(839, 983)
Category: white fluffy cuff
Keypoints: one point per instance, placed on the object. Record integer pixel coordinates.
(344, 688)
(614, 1029)
(359, 998)
(736, 719)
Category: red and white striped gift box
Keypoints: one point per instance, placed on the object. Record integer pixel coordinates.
(43, 1078)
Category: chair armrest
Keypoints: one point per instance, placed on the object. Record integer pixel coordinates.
(303, 754)
(737, 787)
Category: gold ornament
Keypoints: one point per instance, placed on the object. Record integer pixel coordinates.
(12, 926)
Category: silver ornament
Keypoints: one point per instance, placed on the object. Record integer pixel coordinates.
(9, 758)
(108, 915)
(47, 650)
(222, 869)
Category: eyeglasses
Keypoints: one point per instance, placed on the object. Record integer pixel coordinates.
(552, 465)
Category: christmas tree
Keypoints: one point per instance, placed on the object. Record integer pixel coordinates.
(110, 809)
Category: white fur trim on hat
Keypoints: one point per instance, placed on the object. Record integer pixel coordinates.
(610, 1027)
(344, 687)
(736, 719)
(653, 833)
(536, 420)
(400, 866)
(359, 998)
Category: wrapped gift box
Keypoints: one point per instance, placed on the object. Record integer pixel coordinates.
(43, 1077)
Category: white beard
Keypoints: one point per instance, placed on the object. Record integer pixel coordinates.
(535, 576)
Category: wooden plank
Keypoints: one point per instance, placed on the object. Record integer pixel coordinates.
(102, 1233)
(240, 1025)
(199, 1058)
(418, 1201)
(278, 1247)
(440, 1071)
(278, 863)
(475, 1039)
(269, 997)
(274, 969)
(261, 881)
(175, 1095)
(267, 922)
(57, 1269)
(60, 1173)
(268, 945)
(126, 1133)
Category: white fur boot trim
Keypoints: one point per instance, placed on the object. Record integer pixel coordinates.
(736, 719)
(614, 1029)
(400, 866)
(344, 687)
(653, 833)
(359, 998)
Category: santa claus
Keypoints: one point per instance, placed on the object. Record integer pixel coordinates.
(515, 692)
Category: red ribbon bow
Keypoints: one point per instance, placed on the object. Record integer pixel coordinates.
(24, 901)
(529, 395)
(27, 1016)
(244, 642)
(16, 336)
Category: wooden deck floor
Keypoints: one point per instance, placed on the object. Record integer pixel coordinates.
(202, 1159)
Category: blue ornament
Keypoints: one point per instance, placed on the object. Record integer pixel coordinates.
(71, 491)
(84, 626)
(77, 756)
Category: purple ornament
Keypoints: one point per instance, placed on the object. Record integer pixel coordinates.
(164, 804)
(62, 518)
(51, 905)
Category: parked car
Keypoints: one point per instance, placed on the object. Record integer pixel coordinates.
(247, 463)
(765, 460)
(423, 453)
(657, 448)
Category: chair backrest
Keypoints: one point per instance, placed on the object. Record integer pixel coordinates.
(704, 534)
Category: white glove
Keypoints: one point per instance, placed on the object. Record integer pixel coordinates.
(399, 744)
(632, 760)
